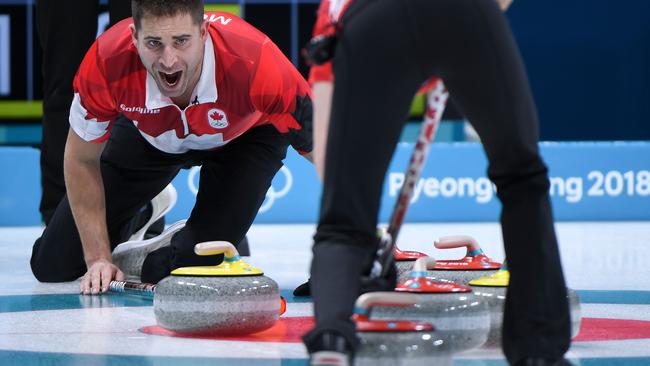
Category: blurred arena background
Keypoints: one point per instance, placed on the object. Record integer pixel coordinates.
(588, 66)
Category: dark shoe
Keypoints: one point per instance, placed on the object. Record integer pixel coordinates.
(330, 349)
(157, 265)
(367, 284)
(242, 248)
(387, 283)
(303, 290)
(538, 361)
(155, 229)
(130, 256)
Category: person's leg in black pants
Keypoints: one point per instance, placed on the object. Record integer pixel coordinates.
(377, 69)
(66, 30)
(486, 76)
(371, 99)
(233, 184)
(65, 37)
(133, 172)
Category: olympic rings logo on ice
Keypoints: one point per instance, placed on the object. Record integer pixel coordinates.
(271, 195)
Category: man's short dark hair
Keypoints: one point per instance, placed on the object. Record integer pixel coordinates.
(166, 8)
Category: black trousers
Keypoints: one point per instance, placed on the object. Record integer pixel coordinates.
(233, 184)
(386, 50)
(66, 29)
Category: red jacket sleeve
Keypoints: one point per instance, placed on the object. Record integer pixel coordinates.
(93, 108)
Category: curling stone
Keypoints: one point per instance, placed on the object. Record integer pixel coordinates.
(396, 342)
(404, 259)
(493, 290)
(232, 298)
(459, 315)
(475, 264)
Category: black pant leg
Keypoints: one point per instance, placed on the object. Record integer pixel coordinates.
(140, 171)
(481, 66)
(133, 172)
(375, 83)
(66, 30)
(468, 43)
(233, 184)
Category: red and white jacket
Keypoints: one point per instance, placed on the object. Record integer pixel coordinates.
(246, 81)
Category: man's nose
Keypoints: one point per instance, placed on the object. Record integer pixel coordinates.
(168, 57)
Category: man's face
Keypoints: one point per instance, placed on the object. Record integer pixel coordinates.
(171, 48)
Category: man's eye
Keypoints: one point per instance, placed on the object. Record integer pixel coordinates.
(181, 41)
(153, 44)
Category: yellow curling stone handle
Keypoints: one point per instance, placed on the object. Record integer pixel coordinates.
(232, 264)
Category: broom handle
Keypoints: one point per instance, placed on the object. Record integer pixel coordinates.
(436, 100)
(134, 288)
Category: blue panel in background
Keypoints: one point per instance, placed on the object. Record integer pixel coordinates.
(20, 186)
(599, 181)
(589, 181)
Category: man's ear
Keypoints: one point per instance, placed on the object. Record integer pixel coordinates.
(134, 35)
(204, 30)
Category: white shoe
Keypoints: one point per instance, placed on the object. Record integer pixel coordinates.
(160, 206)
(129, 256)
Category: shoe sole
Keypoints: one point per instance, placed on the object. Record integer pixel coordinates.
(130, 256)
(135, 244)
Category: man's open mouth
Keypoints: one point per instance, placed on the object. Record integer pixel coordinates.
(170, 79)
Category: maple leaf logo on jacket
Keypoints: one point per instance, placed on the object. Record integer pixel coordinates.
(217, 118)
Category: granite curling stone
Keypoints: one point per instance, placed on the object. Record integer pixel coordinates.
(232, 298)
(396, 342)
(475, 264)
(459, 315)
(404, 259)
(493, 290)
